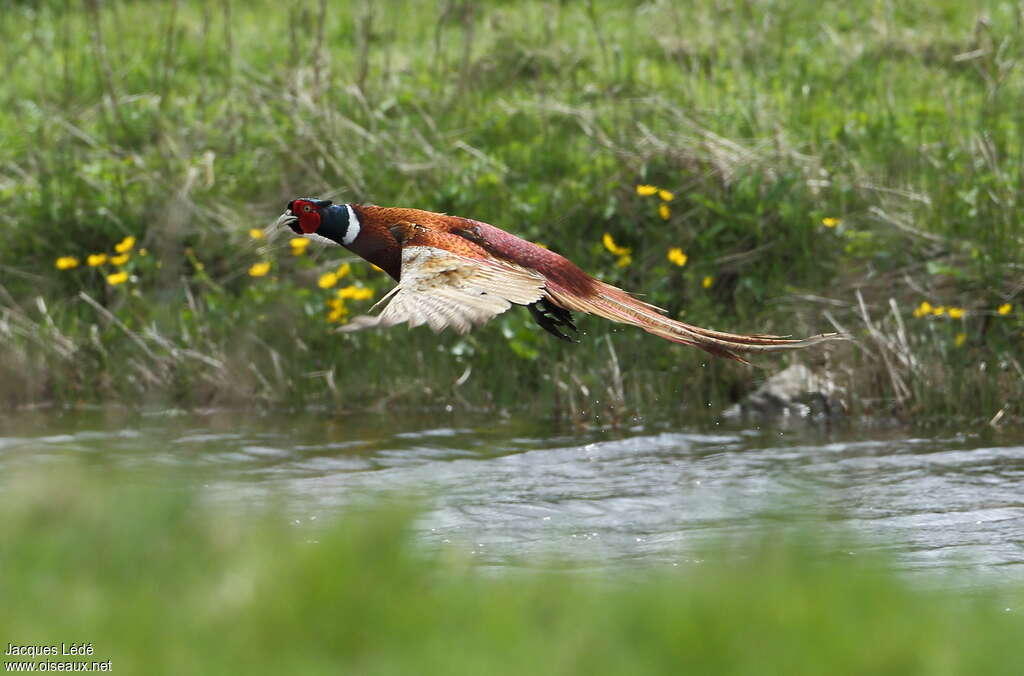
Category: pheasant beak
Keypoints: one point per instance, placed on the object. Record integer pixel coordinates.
(289, 219)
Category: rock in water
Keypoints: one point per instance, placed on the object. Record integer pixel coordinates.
(796, 392)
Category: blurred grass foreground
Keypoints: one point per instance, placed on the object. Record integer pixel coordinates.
(785, 167)
(159, 583)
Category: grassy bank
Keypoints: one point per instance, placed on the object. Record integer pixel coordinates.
(827, 166)
(158, 582)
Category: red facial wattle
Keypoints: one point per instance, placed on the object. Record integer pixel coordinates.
(308, 215)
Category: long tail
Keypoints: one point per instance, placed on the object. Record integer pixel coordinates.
(615, 304)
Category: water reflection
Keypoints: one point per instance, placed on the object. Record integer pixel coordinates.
(521, 488)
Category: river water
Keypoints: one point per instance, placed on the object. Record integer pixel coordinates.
(514, 490)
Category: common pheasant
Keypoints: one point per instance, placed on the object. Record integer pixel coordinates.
(459, 273)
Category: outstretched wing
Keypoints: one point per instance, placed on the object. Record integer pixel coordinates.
(443, 289)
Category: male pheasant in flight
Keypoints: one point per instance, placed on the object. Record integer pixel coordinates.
(458, 272)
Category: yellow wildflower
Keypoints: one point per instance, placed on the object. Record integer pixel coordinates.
(676, 256)
(923, 310)
(327, 280)
(125, 245)
(143, 251)
(97, 259)
(259, 269)
(939, 311)
(624, 260)
(666, 195)
(646, 190)
(119, 260)
(354, 292)
(117, 278)
(664, 212)
(299, 245)
(614, 248)
(256, 233)
(956, 313)
(338, 311)
(343, 270)
(830, 222)
(960, 339)
(1004, 309)
(707, 282)
(66, 263)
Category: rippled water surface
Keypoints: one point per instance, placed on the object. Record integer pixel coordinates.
(508, 489)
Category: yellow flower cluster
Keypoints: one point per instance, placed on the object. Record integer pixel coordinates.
(117, 278)
(256, 233)
(353, 292)
(609, 243)
(329, 279)
(624, 253)
(123, 249)
(259, 269)
(337, 310)
(707, 281)
(926, 309)
(299, 245)
(677, 257)
(125, 245)
(664, 195)
(830, 222)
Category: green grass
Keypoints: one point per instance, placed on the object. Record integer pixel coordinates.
(187, 124)
(162, 581)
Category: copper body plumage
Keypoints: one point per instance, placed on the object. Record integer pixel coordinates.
(455, 272)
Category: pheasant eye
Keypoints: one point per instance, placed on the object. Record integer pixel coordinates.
(306, 208)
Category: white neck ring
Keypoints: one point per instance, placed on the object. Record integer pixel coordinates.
(353, 226)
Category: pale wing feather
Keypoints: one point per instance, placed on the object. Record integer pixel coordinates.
(442, 290)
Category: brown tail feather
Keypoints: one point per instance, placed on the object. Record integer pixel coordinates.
(615, 304)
